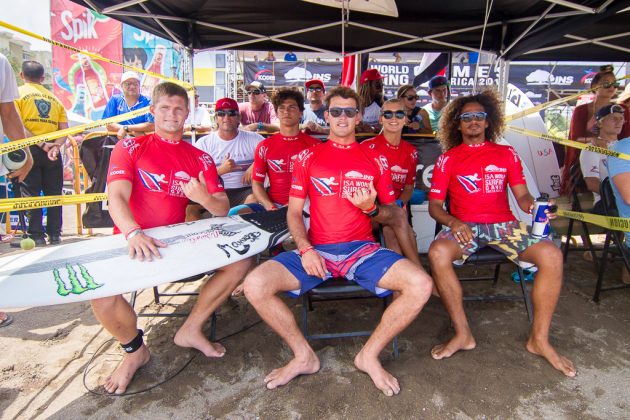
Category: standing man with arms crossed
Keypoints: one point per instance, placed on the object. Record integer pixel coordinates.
(151, 179)
(474, 174)
(275, 156)
(342, 182)
(42, 113)
(257, 114)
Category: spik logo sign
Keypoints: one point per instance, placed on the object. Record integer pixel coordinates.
(80, 28)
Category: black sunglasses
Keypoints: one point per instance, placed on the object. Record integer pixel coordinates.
(610, 84)
(412, 97)
(469, 116)
(312, 89)
(254, 92)
(336, 112)
(388, 115)
(229, 113)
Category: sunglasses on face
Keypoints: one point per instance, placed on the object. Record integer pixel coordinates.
(412, 97)
(388, 115)
(336, 112)
(254, 92)
(610, 84)
(130, 84)
(229, 113)
(315, 89)
(469, 116)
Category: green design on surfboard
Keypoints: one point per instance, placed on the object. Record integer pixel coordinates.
(76, 288)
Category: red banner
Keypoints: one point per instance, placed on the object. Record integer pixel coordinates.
(84, 85)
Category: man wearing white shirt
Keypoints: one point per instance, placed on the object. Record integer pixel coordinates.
(233, 150)
(199, 119)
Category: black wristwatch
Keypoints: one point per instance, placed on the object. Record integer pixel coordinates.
(126, 128)
(374, 212)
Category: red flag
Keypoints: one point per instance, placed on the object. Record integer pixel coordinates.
(347, 71)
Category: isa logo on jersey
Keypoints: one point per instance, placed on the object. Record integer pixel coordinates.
(469, 182)
(324, 186)
(151, 181)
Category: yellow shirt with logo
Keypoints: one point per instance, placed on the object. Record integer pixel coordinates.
(40, 110)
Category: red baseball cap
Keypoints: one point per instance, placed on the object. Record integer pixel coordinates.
(315, 82)
(226, 103)
(369, 75)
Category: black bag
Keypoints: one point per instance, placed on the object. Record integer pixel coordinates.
(95, 154)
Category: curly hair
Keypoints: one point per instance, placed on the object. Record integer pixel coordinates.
(449, 133)
(283, 94)
(343, 92)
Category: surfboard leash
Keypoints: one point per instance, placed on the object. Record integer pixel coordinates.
(162, 382)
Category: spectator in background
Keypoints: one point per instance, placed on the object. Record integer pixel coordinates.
(198, 119)
(290, 56)
(371, 94)
(270, 56)
(438, 89)
(594, 165)
(313, 118)
(619, 170)
(258, 114)
(130, 100)
(583, 124)
(397, 58)
(417, 118)
(232, 150)
(42, 113)
(135, 57)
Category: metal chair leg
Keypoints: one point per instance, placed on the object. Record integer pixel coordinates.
(602, 268)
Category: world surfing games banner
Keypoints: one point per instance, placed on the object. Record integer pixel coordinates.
(149, 52)
(82, 84)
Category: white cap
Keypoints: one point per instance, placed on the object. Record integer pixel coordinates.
(129, 75)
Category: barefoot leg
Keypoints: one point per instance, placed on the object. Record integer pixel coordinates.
(442, 253)
(261, 287)
(545, 296)
(413, 287)
(213, 293)
(118, 318)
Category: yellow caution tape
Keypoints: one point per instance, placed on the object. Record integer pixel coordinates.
(20, 144)
(187, 85)
(570, 143)
(27, 203)
(612, 223)
(538, 108)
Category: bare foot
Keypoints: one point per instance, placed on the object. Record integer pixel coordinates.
(545, 350)
(295, 367)
(238, 291)
(117, 382)
(191, 338)
(383, 380)
(457, 343)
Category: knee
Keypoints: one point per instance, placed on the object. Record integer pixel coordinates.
(254, 286)
(440, 253)
(104, 305)
(238, 269)
(548, 255)
(418, 286)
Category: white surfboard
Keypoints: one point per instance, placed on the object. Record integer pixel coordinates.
(101, 267)
(538, 155)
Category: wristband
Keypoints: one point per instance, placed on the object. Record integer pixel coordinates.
(132, 232)
(260, 125)
(373, 212)
(305, 250)
(370, 210)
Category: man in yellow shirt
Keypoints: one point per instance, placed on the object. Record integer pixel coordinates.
(42, 113)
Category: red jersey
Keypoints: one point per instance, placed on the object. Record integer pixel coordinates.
(402, 160)
(475, 177)
(274, 157)
(330, 173)
(155, 166)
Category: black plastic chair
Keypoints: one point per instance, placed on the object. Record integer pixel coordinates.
(338, 289)
(577, 185)
(612, 236)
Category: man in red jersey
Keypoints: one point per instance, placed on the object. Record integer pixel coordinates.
(342, 182)
(275, 156)
(151, 178)
(474, 174)
(402, 159)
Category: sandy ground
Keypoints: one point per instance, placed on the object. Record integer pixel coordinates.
(45, 351)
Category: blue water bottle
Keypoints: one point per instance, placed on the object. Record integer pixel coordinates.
(540, 222)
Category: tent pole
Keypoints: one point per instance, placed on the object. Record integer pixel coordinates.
(504, 75)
